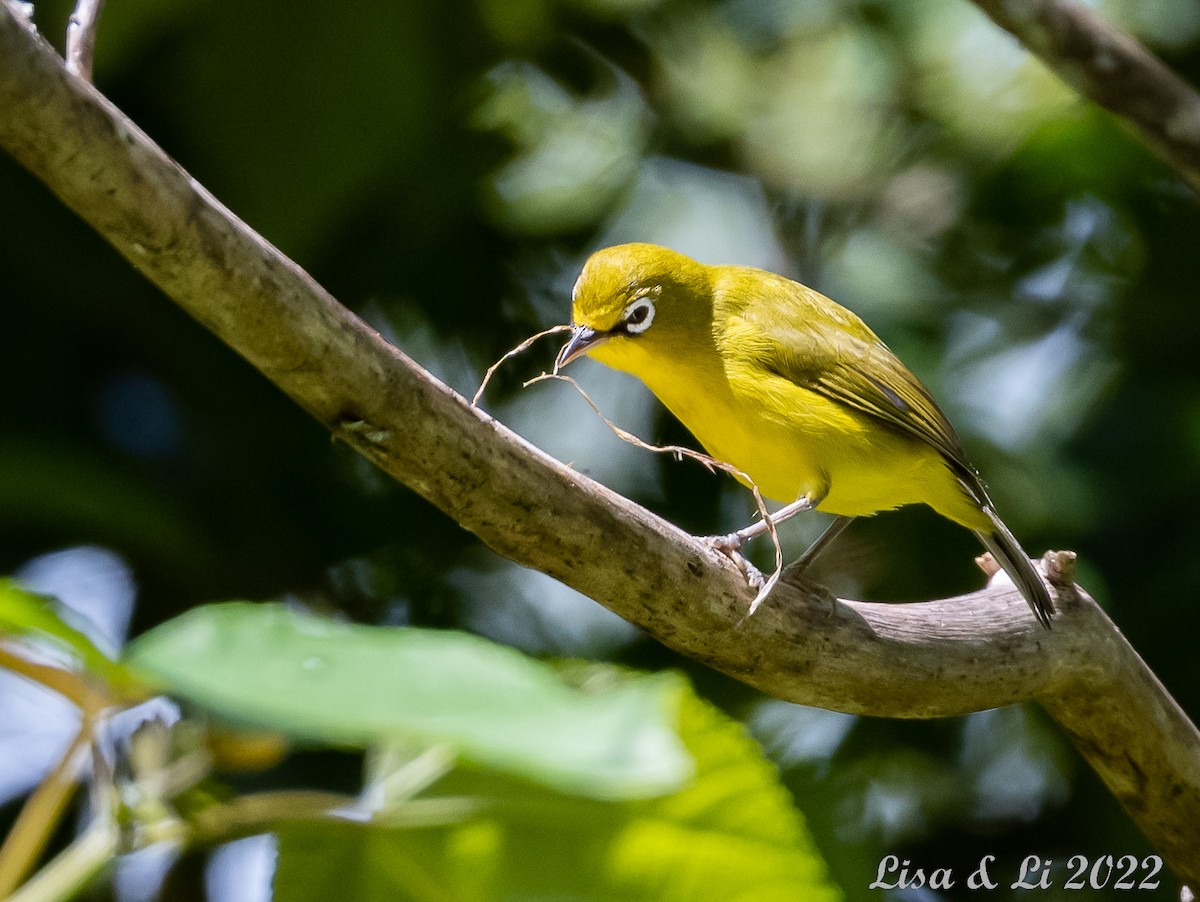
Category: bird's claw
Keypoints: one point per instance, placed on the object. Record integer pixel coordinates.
(730, 545)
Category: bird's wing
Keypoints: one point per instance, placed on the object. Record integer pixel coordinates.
(795, 333)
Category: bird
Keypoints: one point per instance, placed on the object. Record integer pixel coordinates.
(791, 389)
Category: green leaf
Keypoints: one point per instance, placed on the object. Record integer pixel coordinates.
(732, 834)
(354, 685)
(23, 613)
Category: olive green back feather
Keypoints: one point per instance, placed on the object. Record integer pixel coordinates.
(834, 353)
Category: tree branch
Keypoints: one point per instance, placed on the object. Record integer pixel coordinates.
(920, 660)
(1112, 69)
(81, 37)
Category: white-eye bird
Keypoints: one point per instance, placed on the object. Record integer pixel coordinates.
(789, 387)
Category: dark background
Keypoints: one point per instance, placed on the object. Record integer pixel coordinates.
(444, 168)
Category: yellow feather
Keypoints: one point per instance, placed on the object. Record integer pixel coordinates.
(787, 386)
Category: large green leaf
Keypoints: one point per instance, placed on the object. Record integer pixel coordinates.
(23, 613)
(732, 834)
(354, 685)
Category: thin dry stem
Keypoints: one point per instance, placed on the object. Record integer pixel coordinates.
(71, 685)
(519, 349)
(712, 465)
(42, 812)
(677, 451)
(249, 814)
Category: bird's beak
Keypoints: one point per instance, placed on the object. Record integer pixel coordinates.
(582, 340)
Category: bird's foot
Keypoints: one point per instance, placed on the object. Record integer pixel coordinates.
(731, 546)
(731, 543)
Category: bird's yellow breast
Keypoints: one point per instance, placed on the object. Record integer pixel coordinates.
(792, 441)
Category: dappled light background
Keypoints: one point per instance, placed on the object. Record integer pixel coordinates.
(444, 169)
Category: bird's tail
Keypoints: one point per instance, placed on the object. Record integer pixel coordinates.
(1009, 555)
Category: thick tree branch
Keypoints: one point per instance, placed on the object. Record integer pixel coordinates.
(1111, 68)
(922, 660)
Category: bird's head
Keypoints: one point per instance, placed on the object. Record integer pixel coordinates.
(635, 303)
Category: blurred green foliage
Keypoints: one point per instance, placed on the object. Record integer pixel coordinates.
(444, 168)
(477, 759)
(349, 684)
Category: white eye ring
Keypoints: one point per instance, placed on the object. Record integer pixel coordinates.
(638, 316)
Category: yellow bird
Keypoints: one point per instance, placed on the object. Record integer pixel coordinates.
(789, 387)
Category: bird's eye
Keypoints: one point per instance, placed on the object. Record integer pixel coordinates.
(638, 316)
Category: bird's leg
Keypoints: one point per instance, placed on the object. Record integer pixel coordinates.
(731, 545)
(824, 540)
(735, 540)
(794, 574)
(754, 578)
